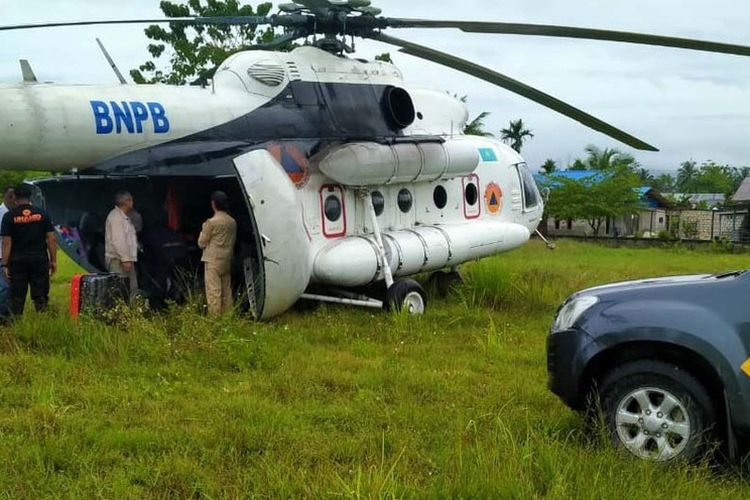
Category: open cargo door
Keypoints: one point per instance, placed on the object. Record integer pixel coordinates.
(284, 242)
(69, 238)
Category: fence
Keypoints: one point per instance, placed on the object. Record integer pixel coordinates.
(709, 225)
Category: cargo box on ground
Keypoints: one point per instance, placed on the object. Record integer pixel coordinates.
(95, 294)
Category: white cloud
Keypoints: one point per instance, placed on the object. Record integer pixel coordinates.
(690, 104)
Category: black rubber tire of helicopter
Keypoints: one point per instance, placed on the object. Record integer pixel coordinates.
(402, 290)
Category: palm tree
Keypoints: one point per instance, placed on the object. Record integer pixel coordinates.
(606, 159)
(549, 166)
(686, 176)
(476, 126)
(516, 134)
(665, 183)
(645, 177)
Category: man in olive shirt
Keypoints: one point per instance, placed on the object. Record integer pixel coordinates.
(217, 242)
(29, 252)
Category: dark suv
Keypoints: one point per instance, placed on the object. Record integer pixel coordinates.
(666, 360)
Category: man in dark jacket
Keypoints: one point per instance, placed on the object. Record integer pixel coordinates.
(29, 252)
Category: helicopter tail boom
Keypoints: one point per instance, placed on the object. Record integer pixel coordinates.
(58, 128)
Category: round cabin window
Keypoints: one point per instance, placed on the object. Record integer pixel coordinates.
(471, 194)
(404, 200)
(378, 202)
(332, 208)
(440, 197)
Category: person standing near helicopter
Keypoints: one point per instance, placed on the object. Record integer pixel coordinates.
(121, 243)
(29, 252)
(9, 202)
(217, 242)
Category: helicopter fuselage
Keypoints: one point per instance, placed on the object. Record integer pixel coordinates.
(328, 151)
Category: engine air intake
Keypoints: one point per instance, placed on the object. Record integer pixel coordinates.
(398, 107)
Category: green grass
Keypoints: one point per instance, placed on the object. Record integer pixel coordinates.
(336, 403)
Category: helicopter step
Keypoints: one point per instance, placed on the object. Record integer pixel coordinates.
(404, 295)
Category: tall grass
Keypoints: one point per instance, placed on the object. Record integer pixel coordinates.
(335, 403)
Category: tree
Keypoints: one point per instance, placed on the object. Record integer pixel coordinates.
(12, 178)
(664, 183)
(606, 160)
(549, 166)
(645, 177)
(578, 165)
(738, 175)
(686, 176)
(713, 178)
(593, 198)
(476, 126)
(516, 134)
(196, 51)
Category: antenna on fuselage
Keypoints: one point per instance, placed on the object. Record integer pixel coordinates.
(112, 63)
(27, 72)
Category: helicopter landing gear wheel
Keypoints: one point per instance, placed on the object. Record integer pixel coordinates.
(406, 295)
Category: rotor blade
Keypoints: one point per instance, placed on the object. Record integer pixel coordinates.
(514, 86)
(249, 20)
(111, 62)
(571, 32)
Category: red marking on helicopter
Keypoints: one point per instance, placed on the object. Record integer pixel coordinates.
(472, 207)
(293, 160)
(337, 228)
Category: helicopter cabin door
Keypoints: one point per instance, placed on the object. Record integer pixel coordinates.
(284, 243)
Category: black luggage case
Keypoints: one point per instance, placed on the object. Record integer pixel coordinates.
(98, 293)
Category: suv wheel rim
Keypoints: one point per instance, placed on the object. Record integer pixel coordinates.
(653, 424)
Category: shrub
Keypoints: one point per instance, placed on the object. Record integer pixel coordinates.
(665, 235)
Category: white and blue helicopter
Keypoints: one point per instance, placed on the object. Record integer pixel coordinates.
(340, 174)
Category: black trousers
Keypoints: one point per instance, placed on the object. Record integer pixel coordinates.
(25, 272)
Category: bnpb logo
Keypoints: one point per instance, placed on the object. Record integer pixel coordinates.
(130, 116)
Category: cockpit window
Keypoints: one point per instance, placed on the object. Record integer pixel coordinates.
(530, 191)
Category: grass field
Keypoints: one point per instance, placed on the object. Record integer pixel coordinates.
(335, 403)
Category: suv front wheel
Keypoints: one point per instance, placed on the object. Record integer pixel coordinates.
(656, 410)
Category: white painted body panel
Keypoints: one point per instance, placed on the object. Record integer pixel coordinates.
(52, 128)
(285, 244)
(426, 238)
(368, 164)
(353, 261)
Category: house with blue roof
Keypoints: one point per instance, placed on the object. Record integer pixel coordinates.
(652, 217)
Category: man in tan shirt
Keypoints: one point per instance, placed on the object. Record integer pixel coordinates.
(120, 242)
(217, 242)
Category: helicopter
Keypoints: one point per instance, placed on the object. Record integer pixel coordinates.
(340, 175)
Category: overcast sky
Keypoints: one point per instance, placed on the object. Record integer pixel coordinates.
(688, 104)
